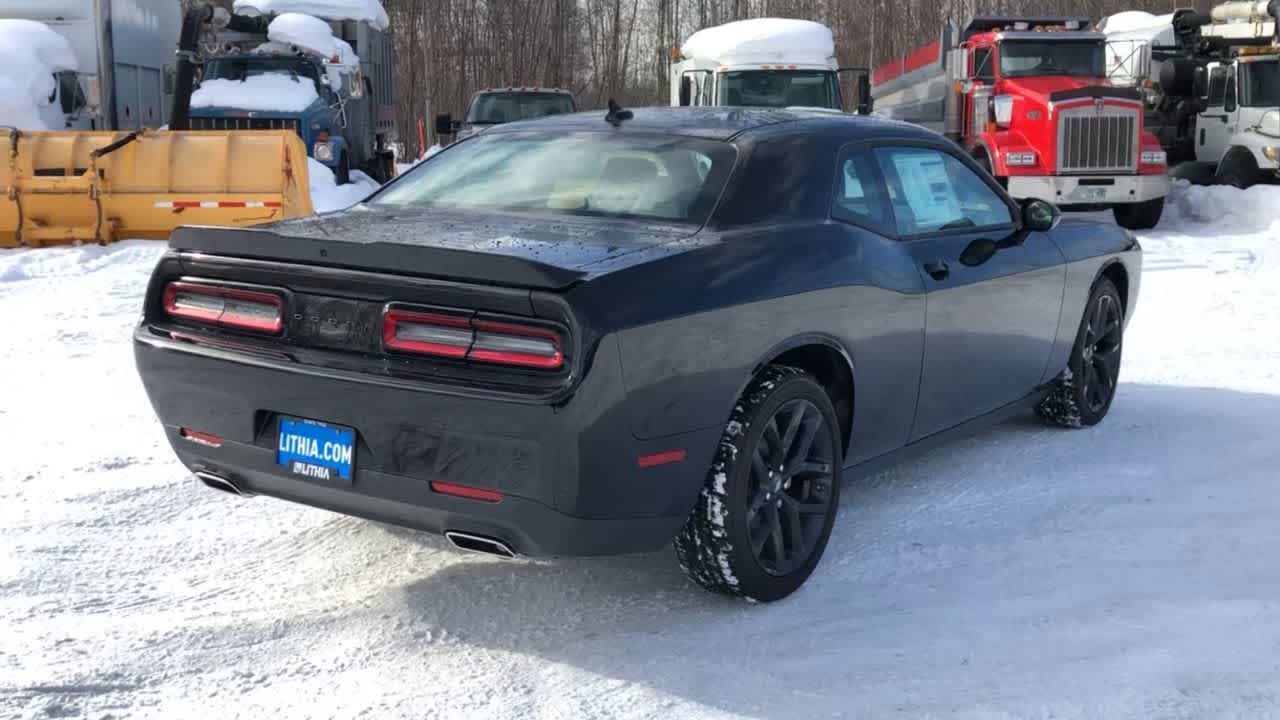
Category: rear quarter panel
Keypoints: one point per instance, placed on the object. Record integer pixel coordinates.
(693, 328)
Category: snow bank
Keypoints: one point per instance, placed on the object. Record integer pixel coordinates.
(370, 11)
(761, 40)
(1227, 209)
(327, 195)
(30, 53)
(304, 31)
(278, 93)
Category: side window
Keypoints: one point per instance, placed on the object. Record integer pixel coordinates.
(1217, 86)
(931, 190)
(860, 196)
(982, 69)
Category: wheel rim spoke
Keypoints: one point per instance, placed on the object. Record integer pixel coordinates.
(776, 545)
(804, 443)
(789, 437)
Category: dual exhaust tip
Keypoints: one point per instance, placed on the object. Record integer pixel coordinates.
(463, 541)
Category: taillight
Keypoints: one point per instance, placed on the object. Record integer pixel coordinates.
(225, 306)
(466, 338)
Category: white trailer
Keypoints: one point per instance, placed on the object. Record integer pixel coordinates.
(764, 62)
(121, 46)
(1211, 85)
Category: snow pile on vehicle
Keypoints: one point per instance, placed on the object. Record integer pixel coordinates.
(30, 53)
(309, 32)
(762, 40)
(273, 93)
(1131, 20)
(370, 11)
(327, 195)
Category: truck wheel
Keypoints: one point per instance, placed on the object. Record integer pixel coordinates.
(1139, 216)
(765, 514)
(1238, 170)
(342, 174)
(1084, 392)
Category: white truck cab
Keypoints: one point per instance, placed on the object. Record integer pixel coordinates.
(764, 62)
(1238, 132)
(1211, 84)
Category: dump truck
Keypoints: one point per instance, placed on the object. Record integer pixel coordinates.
(1211, 86)
(764, 62)
(347, 122)
(121, 51)
(1028, 97)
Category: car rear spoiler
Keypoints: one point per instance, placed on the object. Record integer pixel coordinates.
(491, 268)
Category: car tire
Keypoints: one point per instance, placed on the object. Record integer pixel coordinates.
(1139, 216)
(1082, 396)
(757, 531)
(342, 174)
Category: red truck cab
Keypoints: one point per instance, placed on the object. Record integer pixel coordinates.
(1029, 99)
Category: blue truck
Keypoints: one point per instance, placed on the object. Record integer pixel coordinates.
(349, 125)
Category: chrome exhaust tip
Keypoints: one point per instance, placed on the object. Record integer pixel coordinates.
(217, 482)
(480, 544)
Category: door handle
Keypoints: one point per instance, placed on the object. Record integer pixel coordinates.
(937, 269)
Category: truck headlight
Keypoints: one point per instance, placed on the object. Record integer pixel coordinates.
(1154, 157)
(1002, 109)
(1020, 159)
(1271, 153)
(323, 152)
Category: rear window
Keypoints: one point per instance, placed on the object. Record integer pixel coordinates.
(496, 108)
(595, 174)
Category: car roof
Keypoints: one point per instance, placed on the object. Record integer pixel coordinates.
(718, 123)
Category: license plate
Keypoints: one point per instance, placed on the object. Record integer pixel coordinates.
(1093, 193)
(316, 450)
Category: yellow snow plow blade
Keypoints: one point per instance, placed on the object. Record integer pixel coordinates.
(67, 187)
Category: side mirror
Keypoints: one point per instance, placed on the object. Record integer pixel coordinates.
(1200, 84)
(686, 90)
(446, 125)
(169, 75)
(1229, 102)
(1039, 215)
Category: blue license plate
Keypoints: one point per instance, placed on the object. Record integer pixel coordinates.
(316, 450)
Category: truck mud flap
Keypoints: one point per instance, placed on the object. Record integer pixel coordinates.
(75, 187)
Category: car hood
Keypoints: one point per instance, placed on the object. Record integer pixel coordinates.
(498, 248)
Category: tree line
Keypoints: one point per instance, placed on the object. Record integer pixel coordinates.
(601, 49)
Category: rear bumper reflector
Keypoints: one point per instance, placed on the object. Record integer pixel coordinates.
(465, 491)
(662, 458)
(201, 438)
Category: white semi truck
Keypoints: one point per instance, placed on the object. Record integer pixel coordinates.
(121, 47)
(764, 62)
(1211, 85)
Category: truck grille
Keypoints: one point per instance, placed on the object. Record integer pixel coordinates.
(246, 123)
(1093, 140)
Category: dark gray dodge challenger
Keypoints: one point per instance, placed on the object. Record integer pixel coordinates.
(588, 335)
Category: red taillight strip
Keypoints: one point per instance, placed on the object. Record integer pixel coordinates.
(452, 343)
(459, 337)
(466, 491)
(522, 345)
(224, 313)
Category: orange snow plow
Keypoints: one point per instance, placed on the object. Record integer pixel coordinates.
(67, 187)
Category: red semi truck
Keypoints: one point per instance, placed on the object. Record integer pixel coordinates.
(1028, 97)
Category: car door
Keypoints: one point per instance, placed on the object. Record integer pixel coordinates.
(1215, 124)
(992, 292)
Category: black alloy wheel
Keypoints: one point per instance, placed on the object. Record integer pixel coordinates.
(1083, 393)
(791, 479)
(765, 513)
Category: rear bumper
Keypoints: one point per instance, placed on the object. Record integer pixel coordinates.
(1081, 190)
(569, 474)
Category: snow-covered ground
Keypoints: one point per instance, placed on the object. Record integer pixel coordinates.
(1129, 570)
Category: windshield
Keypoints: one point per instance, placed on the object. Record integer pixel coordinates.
(779, 88)
(495, 108)
(1082, 58)
(659, 177)
(242, 67)
(1260, 86)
